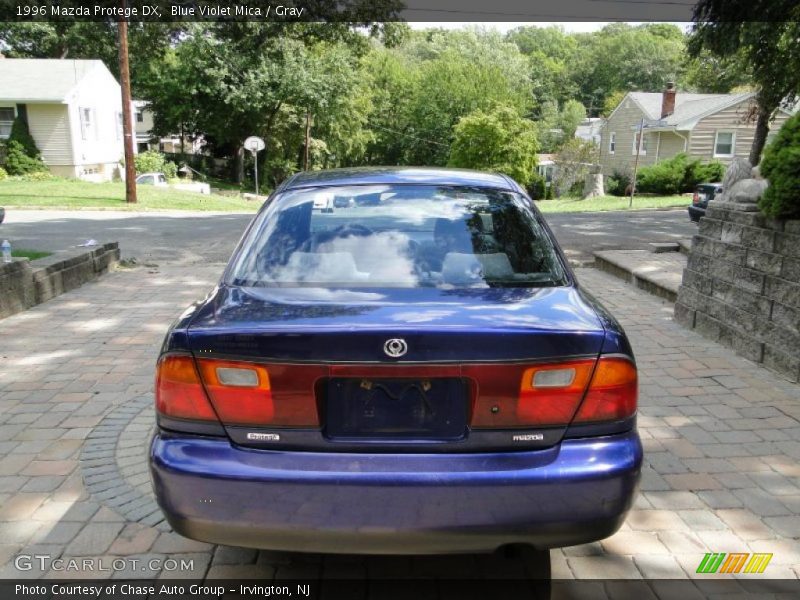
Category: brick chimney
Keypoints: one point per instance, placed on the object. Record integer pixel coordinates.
(668, 100)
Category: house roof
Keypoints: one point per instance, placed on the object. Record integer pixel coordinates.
(42, 79)
(689, 108)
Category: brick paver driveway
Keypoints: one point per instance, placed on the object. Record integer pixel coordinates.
(722, 443)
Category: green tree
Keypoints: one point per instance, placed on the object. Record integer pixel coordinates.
(499, 140)
(389, 78)
(625, 57)
(236, 80)
(612, 101)
(552, 54)
(764, 33)
(573, 160)
(781, 166)
(710, 73)
(570, 116)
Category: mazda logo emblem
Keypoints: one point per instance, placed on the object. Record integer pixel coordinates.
(395, 347)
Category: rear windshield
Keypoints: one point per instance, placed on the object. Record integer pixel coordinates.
(407, 236)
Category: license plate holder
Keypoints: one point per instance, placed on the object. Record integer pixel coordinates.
(396, 409)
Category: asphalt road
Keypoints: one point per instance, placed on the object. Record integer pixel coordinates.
(198, 238)
(581, 234)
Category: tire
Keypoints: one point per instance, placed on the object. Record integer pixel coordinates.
(535, 563)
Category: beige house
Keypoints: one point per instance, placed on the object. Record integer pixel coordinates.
(706, 126)
(73, 109)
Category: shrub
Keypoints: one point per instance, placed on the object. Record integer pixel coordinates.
(170, 170)
(677, 175)
(19, 163)
(576, 189)
(3, 174)
(699, 172)
(781, 166)
(22, 155)
(537, 188)
(665, 177)
(21, 134)
(37, 176)
(155, 162)
(617, 183)
(149, 162)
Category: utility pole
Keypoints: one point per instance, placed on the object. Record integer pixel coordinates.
(308, 139)
(127, 120)
(639, 142)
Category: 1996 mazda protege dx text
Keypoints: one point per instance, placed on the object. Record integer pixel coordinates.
(413, 369)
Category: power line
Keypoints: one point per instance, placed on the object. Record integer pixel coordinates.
(413, 137)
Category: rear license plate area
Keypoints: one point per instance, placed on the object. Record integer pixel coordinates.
(396, 409)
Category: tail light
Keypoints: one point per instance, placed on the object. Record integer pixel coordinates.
(613, 393)
(179, 392)
(554, 394)
(550, 394)
(237, 393)
(240, 392)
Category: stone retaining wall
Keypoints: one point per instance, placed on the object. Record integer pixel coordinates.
(24, 284)
(741, 286)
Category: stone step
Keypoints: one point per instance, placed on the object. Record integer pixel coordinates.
(662, 247)
(657, 273)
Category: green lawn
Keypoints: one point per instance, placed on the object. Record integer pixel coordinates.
(30, 254)
(563, 205)
(75, 194)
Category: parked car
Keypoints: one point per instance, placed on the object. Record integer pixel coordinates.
(342, 202)
(421, 376)
(702, 194)
(198, 187)
(323, 201)
(157, 179)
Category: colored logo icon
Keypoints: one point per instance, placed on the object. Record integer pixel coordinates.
(735, 562)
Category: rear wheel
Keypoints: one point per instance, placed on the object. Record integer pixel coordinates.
(523, 561)
(535, 562)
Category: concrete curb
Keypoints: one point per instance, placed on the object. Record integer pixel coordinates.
(27, 284)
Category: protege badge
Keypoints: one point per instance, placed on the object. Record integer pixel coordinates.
(264, 437)
(527, 437)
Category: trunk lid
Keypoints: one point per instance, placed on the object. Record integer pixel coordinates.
(464, 353)
(314, 325)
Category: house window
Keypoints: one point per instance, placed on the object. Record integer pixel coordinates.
(612, 142)
(637, 136)
(6, 121)
(139, 116)
(86, 122)
(724, 143)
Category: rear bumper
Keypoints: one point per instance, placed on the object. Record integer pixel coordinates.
(573, 493)
(695, 212)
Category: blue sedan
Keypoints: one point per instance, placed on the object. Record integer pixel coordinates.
(416, 371)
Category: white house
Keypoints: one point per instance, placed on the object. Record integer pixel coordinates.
(590, 129)
(73, 109)
(145, 140)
